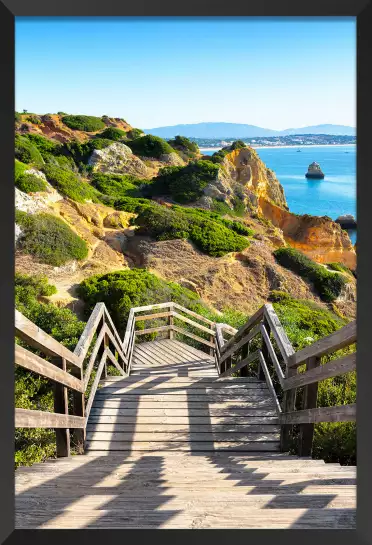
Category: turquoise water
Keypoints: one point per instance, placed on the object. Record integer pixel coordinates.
(332, 196)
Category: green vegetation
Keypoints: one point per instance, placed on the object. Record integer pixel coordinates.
(80, 152)
(69, 184)
(211, 237)
(184, 184)
(17, 117)
(150, 146)
(118, 186)
(46, 146)
(340, 267)
(33, 391)
(200, 213)
(27, 152)
(112, 133)
(327, 284)
(219, 155)
(87, 123)
(29, 183)
(33, 119)
(135, 206)
(133, 134)
(184, 146)
(50, 239)
(19, 169)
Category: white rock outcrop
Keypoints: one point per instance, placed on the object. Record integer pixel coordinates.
(118, 158)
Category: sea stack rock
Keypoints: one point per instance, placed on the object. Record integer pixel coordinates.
(314, 171)
(347, 221)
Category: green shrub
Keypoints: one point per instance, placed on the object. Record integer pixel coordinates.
(113, 133)
(45, 146)
(328, 285)
(128, 204)
(80, 152)
(200, 213)
(69, 184)
(219, 155)
(27, 152)
(184, 145)
(87, 123)
(150, 146)
(61, 161)
(19, 169)
(340, 267)
(133, 134)
(17, 117)
(50, 239)
(29, 183)
(184, 184)
(33, 119)
(211, 237)
(117, 185)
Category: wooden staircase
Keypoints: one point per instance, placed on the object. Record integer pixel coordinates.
(183, 438)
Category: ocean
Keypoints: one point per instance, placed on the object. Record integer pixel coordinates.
(333, 196)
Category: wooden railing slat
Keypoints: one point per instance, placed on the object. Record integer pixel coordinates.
(192, 336)
(340, 413)
(85, 340)
(192, 313)
(26, 359)
(247, 326)
(241, 364)
(273, 357)
(194, 324)
(280, 335)
(331, 369)
(113, 360)
(95, 383)
(25, 418)
(93, 356)
(36, 337)
(253, 332)
(153, 330)
(269, 382)
(145, 317)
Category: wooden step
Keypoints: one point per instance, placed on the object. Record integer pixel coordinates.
(186, 411)
(181, 445)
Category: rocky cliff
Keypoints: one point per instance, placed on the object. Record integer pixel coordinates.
(319, 238)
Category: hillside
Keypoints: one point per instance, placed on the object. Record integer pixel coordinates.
(211, 224)
(241, 130)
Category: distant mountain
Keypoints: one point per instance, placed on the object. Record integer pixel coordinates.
(240, 130)
(322, 129)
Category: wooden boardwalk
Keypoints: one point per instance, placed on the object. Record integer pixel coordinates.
(172, 445)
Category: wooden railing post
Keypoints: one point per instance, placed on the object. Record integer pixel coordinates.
(289, 402)
(244, 372)
(78, 401)
(309, 402)
(264, 350)
(61, 406)
(171, 322)
(212, 339)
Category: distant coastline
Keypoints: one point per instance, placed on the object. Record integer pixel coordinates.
(292, 146)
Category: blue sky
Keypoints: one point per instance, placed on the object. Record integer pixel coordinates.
(271, 72)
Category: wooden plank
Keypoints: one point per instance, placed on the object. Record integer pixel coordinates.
(191, 322)
(32, 362)
(289, 403)
(191, 436)
(93, 356)
(191, 353)
(36, 337)
(253, 332)
(205, 405)
(194, 314)
(339, 339)
(112, 328)
(25, 418)
(340, 413)
(118, 347)
(310, 395)
(269, 382)
(226, 412)
(192, 336)
(240, 365)
(248, 382)
(170, 385)
(151, 307)
(183, 445)
(152, 330)
(95, 383)
(128, 331)
(246, 327)
(333, 368)
(185, 427)
(147, 317)
(277, 329)
(157, 420)
(60, 396)
(114, 361)
(272, 354)
(83, 344)
(78, 409)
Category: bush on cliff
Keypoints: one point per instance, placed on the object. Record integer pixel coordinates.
(186, 147)
(328, 285)
(211, 237)
(118, 185)
(29, 183)
(184, 184)
(19, 169)
(80, 152)
(50, 239)
(134, 133)
(150, 146)
(27, 152)
(69, 184)
(87, 123)
(219, 155)
(113, 133)
(46, 146)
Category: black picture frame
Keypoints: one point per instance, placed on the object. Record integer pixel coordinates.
(361, 9)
